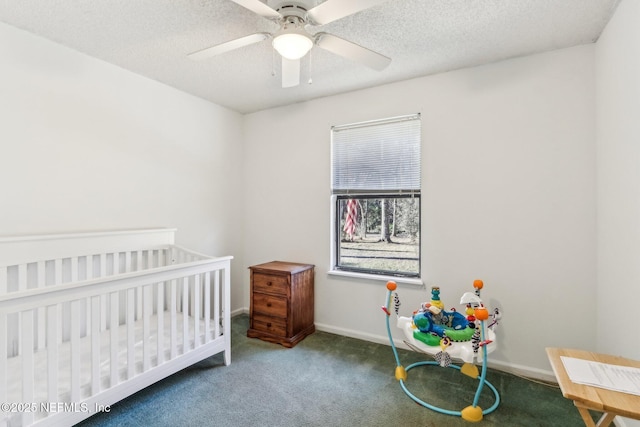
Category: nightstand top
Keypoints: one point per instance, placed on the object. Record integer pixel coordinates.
(283, 266)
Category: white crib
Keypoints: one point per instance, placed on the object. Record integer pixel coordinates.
(88, 319)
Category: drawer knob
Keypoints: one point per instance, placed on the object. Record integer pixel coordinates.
(268, 304)
(269, 283)
(268, 325)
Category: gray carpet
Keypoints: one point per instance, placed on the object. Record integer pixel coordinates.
(328, 380)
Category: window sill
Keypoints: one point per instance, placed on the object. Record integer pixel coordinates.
(378, 277)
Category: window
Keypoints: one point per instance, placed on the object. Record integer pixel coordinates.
(376, 197)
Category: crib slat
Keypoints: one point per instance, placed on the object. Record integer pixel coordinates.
(89, 274)
(207, 307)
(185, 314)
(22, 286)
(127, 261)
(102, 308)
(146, 320)
(82, 267)
(173, 314)
(160, 316)
(144, 263)
(40, 274)
(172, 255)
(103, 265)
(95, 344)
(226, 313)
(130, 333)
(74, 269)
(75, 277)
(113, 345)
(57, 271)
(196, 311)
(53, 330)
(57, 280)
(3, 280)
(75, 351)
(116, 263)
(22, 277)
(103, 300)
(27, 363)
(40, 314)
(216, 303)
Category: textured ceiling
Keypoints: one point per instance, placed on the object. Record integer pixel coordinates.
(153, 37)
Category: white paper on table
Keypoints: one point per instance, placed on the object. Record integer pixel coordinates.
(625, 379)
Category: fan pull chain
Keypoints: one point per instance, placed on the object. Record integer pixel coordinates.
(273, 62)
(310, 70)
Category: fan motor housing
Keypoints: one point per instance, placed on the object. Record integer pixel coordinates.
(289, 8)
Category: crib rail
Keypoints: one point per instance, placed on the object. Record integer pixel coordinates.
(51, 272)
(108, 320)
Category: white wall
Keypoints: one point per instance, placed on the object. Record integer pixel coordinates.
(618, 147)
(86, 145)
(508, 197)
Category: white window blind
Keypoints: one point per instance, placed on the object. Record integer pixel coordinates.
(381, 156)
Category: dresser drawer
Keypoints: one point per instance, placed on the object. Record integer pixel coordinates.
(270, 283)
(271, 325)
(270, 305)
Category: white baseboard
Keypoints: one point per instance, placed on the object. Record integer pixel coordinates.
(239, 311)
(524, 371)
(520, 370)
(619, 422)
(625, 422)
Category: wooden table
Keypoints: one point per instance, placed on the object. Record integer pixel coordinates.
(585, 397)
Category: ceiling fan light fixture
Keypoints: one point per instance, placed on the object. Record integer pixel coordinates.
(292, 43)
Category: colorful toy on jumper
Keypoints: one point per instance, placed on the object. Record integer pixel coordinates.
(448, 335)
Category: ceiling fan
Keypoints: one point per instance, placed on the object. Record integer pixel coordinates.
(292, 41)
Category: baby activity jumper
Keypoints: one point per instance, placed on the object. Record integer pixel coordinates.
(448, 335)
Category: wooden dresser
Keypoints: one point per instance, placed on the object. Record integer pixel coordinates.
(281, 302)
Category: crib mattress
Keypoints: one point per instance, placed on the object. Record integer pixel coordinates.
(40, 387)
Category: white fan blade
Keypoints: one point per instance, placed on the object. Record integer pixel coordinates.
(290, 72)
(228, 46)
(332, 10)
(352, 51)
(256, 6)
